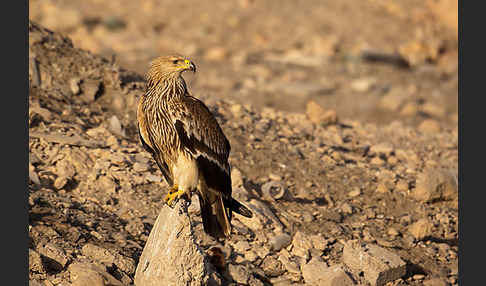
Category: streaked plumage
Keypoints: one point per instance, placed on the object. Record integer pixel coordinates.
(187, 143)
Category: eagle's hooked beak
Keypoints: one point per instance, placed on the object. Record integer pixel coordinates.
(190, 65)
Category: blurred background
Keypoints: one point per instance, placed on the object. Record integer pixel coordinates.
(371, 60)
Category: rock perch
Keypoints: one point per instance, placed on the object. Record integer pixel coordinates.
(171, 255)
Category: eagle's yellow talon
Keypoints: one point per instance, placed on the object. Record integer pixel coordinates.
(174, 195)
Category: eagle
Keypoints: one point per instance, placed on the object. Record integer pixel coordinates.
(187, 144)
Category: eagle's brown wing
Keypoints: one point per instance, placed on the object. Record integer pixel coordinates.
(201, 134)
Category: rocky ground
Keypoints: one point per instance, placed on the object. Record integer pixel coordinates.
(321, 169)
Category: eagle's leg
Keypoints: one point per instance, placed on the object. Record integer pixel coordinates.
(174, 195)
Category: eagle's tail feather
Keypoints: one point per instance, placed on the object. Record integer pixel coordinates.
(214, 215)
(241, 209)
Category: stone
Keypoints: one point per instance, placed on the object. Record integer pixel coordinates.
(112, 141)
(194, 208)
(418, 277)
(88, 274)
(141, 167)
(435, 282)
(97, 132)
(38, 112)
(392, 101)
(354, 193)
(108, 258)
(417, 51)
(239, 273)
(106, 183)
(315, 253)
(115, 126)
(429, 126)
(377, 161)
(435, 185)
(251, 255)
(35, 262)
(236, 109)
(317, 272)
(307, 216)
(272, 266)
(378, 265)
(433, 109)
(331, 215)
(241, 246)
(421, 229)
(346, 208)
(289, 265)
(253, 281)
(117, 158)
(393, 232)
(262, 251)
(80, 160)
(64, 168)
(281, 281)
(91, 89)
(325, 45)
(55, 257)
(401, 186)
(98, 253)
(33, 175)
(363, 84)
(60, 182)
(35, 283)
(382, 188)
(301, 245)
(74, 85)
(409, 109)
(135, 227)
(279, 241)
(319, 242)
(236, 178)
(34, 158)
(318, 115)
(172, 253)
(329, 117)
(153, 178)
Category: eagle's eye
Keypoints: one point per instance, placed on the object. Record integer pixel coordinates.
(176, 61)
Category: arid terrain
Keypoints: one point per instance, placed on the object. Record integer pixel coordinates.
(342, 117)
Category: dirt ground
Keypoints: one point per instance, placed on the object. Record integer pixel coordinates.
(347, 107)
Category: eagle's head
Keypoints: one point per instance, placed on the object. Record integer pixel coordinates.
(166, 71)
(174, 65)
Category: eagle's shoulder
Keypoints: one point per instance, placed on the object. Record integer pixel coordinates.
(199, 131)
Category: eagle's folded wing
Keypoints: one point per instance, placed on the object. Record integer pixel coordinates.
(201, 135)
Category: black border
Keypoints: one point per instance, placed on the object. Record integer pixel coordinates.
(15, 91)
(464, 270)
